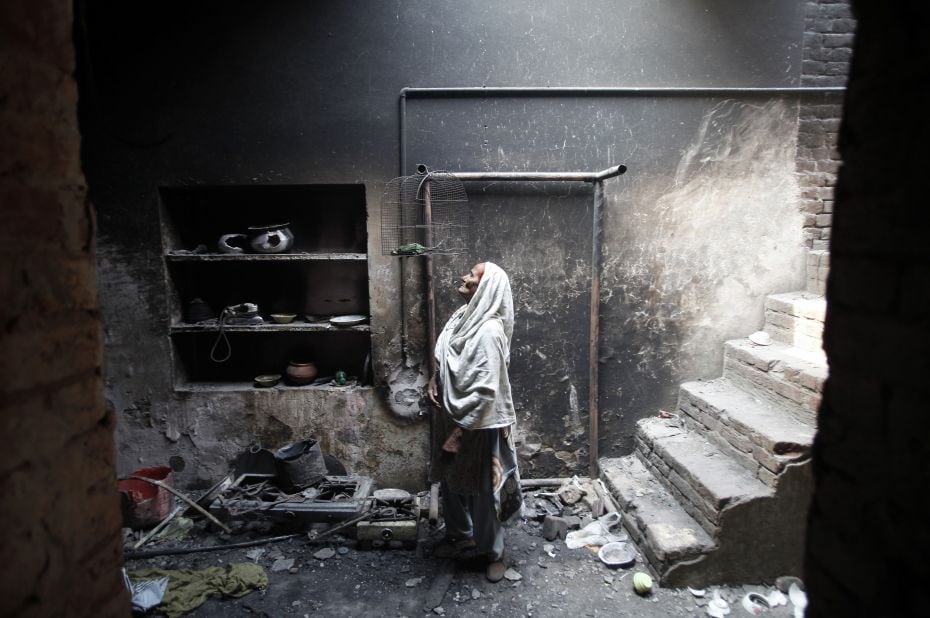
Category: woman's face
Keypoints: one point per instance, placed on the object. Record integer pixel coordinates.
(470, 281)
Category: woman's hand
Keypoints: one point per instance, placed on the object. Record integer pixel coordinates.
(432, 392)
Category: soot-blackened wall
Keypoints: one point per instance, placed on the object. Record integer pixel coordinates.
(703, 225)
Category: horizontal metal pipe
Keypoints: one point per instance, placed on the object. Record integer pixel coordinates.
(610, 172)
(575, 91)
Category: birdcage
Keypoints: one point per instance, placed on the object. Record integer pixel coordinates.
(424, 214)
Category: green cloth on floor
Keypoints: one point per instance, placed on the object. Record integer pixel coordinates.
(187, 590)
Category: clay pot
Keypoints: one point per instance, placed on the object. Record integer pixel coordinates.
(300, 373)
(270, 238)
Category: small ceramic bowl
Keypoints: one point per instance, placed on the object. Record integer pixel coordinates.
(266, 380)
(283, 318)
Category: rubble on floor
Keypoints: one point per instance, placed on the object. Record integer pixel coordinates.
(343, 567)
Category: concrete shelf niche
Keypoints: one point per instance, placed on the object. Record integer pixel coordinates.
(324, 273)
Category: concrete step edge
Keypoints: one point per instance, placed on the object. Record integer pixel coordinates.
(700, 474)
(797, 402)
(778, 373)
(808, 339)
(800, 304)
(765, 436)
(803, 367)
(655, 520)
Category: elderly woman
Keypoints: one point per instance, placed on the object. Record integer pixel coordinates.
(474, 457)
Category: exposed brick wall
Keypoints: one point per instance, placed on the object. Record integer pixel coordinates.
(868, 535)
(59, 511)
(828, 37)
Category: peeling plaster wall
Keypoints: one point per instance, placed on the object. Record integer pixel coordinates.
(692, 251)
(235, 93)
(696, 234)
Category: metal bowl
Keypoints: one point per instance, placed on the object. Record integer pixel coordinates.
(283, 318)
(266, 380)
(617, 554)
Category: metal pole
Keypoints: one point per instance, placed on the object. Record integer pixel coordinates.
(597, 229)
(404, 335)
(430, 299)
(610, 172)
(629, 91)
(430, 291)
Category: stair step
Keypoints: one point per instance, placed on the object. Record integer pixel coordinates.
(664, 532)
(704, 478)
(796, 318)
(779, 371)
(761, 435)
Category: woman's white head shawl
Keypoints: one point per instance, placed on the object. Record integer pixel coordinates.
(473, 353)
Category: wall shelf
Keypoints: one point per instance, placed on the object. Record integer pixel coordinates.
(282, 388)
(302, 327)
(187, 256)
(325, 273)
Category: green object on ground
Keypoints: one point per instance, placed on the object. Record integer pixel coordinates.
(178, 529)
(187, 589)
(642, 583)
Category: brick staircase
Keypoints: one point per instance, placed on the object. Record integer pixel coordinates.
(719, 492)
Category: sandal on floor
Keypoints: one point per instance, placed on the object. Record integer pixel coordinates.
(451, 548)
(495, 571)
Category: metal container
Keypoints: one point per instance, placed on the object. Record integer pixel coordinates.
(275, 238)
(300, 465)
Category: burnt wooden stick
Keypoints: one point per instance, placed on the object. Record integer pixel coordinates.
(434, 504)
(606, 499)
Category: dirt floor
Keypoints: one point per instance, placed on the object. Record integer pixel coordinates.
(410, 582)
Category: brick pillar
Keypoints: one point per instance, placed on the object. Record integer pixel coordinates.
(868, 546)
(828, 36)
(59, 511)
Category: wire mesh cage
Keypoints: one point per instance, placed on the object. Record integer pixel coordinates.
(424, 214)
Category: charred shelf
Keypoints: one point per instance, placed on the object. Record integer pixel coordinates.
(229, 387)
(270, 327)
(176, 256)
(323, 273)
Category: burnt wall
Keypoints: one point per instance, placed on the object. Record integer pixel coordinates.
(695, 235)
(871, 452)
(234, 93)
(59, 514)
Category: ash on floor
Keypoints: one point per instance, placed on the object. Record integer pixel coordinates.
(335, 578)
